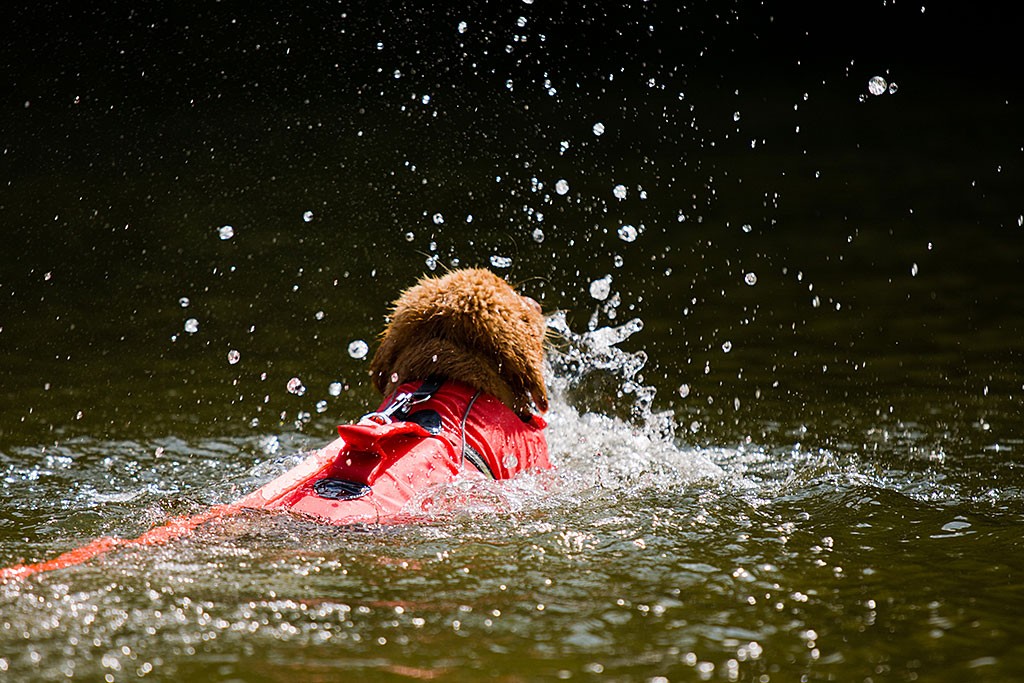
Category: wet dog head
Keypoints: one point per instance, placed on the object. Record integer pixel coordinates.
(469, 326)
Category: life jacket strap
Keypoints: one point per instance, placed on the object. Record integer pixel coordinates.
(403, 401)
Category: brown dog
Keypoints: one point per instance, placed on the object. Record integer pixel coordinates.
(469, 326)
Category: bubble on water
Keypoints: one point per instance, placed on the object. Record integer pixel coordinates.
(617, 260)
(601, 288)
(334, 388)
(538, 235)
(598, 128)
(296, 387)
(876, 86)
(563, 146)
(431, 262)
(684, 390)
(726, 346)
(619, 191)
(913, 270)
(521, 22)
(184, 302)
(462, 27)
(438, 219)
(893, 88)
(358, 349)
(321, 406)
(410, 236)
(500, 261)
(562, 186)
(425, 99)
(750, 279)
(191, 325)
(627, 233)
(747, 227)
(307, 216)
(735, 116)
(226, 232)
(234, 356)
(319, 315)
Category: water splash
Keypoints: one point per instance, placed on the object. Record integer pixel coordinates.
(600, 447)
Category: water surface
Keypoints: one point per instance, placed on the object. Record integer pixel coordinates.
(801, 462)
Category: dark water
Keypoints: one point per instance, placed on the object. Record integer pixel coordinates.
(802, 464)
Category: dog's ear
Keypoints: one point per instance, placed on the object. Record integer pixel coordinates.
(535, 386)
(398, 335)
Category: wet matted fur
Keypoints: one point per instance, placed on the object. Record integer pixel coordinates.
(469, 326)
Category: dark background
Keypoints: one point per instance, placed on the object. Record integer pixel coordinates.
(132, 131)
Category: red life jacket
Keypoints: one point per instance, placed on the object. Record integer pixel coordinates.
(373, 470)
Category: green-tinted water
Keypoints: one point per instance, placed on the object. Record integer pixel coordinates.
(825, 485)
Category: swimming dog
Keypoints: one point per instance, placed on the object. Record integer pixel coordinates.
(460, 365)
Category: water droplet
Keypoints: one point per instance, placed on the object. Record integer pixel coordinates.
(319, 315)
(521, 22)
(735, 116)
(334, 388)
(726, 347)
(425, 99)
(619, 191)
(538, 235)
(750, 279)
(234, 356)
(500, 261)
(409, 236)
(321, 406)
(563, 146)
(184, 302)
(226, 232)
(684, 390)
(295, 386)
(627, 233)
(876, 86)
(358, 349)
(438, 219)
(601, 288)
(598, 128)
(562, 186)
(913, 270)
(747, 227)
(893, 88)
(191, 325)
(463, 26)
(510, 461)
(307, 216)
